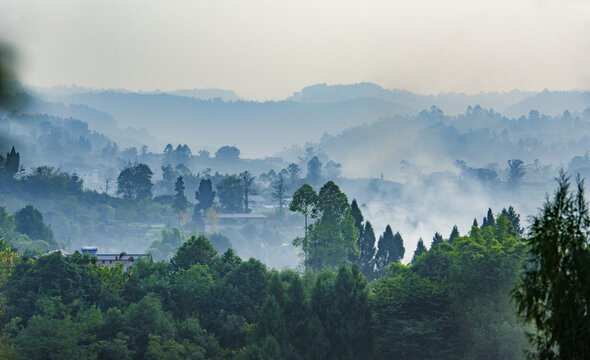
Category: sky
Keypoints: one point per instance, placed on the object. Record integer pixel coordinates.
(266, 50)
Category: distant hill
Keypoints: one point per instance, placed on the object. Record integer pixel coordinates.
(210, 118)
(551, 103)
(452, 103)
(207, 94)
(433, 141)
(59, 91)
(323, 93)
(257, 128)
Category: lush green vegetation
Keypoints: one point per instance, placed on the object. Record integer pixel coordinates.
(452, 302)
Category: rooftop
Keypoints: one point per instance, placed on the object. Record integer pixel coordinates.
(241, 216)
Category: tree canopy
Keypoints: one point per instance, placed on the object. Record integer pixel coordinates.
(135, 182)
(553, 291)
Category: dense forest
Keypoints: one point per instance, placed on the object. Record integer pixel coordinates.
(452, 301)
(351, 298)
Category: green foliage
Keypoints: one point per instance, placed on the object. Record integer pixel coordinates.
(47, 338)
(196, 250)
(455, 231)
(11, 166)
(190, 290)
(180, 203)
(143, 320)
(45, 179)
(331, 240)
(7, 224)
(413, 318)
(304, 200)
(205, 197)
(135, 182)
(164, 247)
(450, 303)
(368, 250)
(420, 249)
(219, 242)
(346, 316)
(554, 290)
(453, 301)
(357, 215)
(29, 221)
(514, 219)
(488, 220)
(390, 249)
(436, 239)
(230, 191)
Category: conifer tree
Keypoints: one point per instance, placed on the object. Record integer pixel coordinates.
(488, 220)
(12, 162)
(390, 249)
(367, 249)
(454, 234)
(420, 249)
(357, 215)
(180, 202)
(204, 196)
(475, 223)
(553, 291)
(514, 219)
(436, 239)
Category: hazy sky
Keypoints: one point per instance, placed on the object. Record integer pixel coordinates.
(268, 49)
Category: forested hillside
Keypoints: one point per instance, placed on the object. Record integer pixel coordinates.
(451, 302)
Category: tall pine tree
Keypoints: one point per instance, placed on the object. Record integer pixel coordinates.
(420, 249)
(205, 197)
(12, 162)
(488, 220)
(514, 219)
(553, 292)
(436, 239)
(367, 248)
(390, 249)
(180, 202)
(357, 215)
(454, 234)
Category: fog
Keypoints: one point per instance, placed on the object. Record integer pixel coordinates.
(412, 108)
(420, 172)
